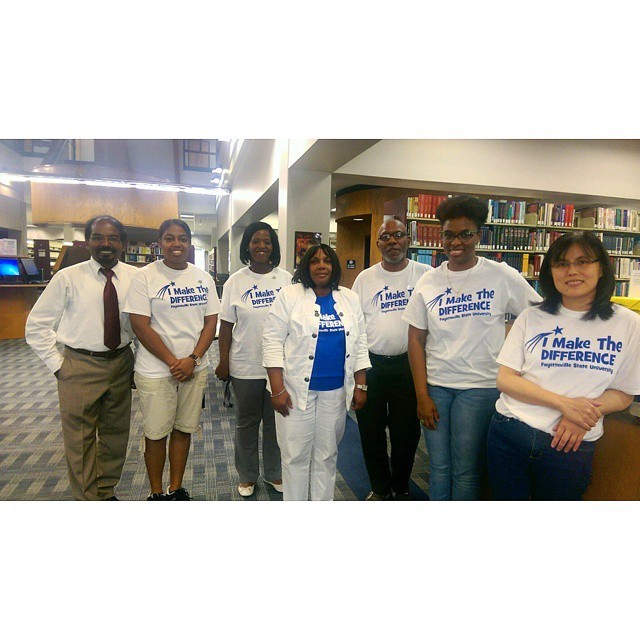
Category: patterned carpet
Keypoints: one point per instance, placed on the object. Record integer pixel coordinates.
(32, 465)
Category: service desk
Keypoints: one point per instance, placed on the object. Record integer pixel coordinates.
(16, 301)
(616, 463)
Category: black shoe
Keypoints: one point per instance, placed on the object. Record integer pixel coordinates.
(376, 496)
(402, 496)
(112, 498)
(156, 496)
(178, 494)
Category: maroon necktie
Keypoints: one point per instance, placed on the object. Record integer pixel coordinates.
(111, 312)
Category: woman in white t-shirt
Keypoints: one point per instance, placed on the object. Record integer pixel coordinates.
(456, 319)
(564, 365)
(173, 307)
(246, 300)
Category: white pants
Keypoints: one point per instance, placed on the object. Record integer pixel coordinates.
(308, 443)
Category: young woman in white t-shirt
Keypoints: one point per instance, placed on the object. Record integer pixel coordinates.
(173, 307)
(246, 300)
(564, 365)
(456, 319)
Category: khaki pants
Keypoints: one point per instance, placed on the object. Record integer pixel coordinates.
(95, 409)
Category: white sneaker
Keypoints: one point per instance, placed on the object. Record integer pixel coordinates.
(245, 492)
(277, 487)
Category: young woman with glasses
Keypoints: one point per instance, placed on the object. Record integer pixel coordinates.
(565, 364)
(456, 319)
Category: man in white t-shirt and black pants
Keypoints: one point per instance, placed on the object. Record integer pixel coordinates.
(384, 291)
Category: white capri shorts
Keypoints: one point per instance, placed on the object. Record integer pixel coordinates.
(168, 404)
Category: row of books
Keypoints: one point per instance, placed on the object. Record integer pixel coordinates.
(141, 258)
(527, 264)
(545, 214)
(622, 266)
(427, 256)
(424, 235)
(617, 244)
(622, 289)
(517, 238)
(424, 205)
(152, 248)
(613, 218)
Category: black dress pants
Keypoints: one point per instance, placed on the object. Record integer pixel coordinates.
(391, 404)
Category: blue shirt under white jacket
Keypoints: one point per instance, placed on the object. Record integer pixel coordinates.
(290, 336)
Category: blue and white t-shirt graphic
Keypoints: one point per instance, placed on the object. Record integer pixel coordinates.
(184, 296)
(559, 351)
(464, 305)
(388, 300)
(531, 344)
(259, 297)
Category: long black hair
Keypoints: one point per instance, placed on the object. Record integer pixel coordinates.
(593, 247)
(245, 257)
(303, 272)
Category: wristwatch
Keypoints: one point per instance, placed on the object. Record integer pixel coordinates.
(362, 387)
(196, 359)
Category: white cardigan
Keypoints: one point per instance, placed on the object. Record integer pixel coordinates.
(290, 337)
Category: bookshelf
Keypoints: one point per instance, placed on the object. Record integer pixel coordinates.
(519, 233)
(141, 253)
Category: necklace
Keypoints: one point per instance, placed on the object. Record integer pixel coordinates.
(460, 289)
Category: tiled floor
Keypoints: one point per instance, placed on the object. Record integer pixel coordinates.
(32, 463)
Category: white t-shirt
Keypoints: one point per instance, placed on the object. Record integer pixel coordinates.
(177, 301)
(463, 313)
(246, 300)
(383, 296)
(572, 357)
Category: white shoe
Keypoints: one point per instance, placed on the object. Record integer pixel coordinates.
(245, 492)
(277, 487)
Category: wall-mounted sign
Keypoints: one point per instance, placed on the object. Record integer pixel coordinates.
(351, 264)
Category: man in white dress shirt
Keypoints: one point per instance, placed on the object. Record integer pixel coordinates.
(384, 291)
(80, 308)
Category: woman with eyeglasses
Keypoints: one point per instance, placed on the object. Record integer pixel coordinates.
(565, 364)
(315, 353)
(456, 319)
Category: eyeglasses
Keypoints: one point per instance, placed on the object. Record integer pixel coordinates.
(94, 237)
(580, 263)
(385, 237)
(464, 236)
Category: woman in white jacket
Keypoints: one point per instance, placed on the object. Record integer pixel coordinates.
(315, 353)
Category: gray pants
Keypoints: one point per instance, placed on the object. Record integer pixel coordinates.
(253, 405)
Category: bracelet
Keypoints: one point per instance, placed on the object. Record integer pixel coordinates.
(279, 394)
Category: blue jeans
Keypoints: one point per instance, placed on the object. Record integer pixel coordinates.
(523, 465)
(457, 447)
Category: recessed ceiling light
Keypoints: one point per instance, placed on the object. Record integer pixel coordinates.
(358, 219)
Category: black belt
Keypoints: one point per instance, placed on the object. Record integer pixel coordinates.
(400, 356)
(107, 355)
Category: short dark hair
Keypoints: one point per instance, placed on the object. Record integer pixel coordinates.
(463, 207)
(303, 273)
(88, 228)
(167, 223)
(245, 258)
(587, 240)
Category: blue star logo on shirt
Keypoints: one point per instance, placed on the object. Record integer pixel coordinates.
(378, 296)
(437, 301)
(247, 294)
(164, 290)
(530, 345)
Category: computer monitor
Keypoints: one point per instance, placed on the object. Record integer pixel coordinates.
(9, 269)
(30, 268)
